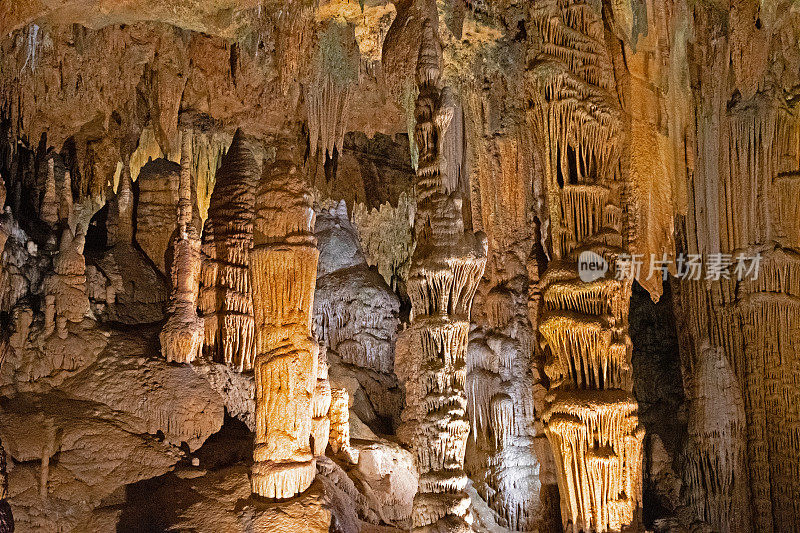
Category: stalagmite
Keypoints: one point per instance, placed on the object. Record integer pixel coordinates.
(355, 313)
(283, 269)
(49, 207)
(321, 405)
(716, 455)
(591, 420)
(340, 420)
(65, 289)
(182, 336)
(226, 298)
(120, 224)
(445, 269)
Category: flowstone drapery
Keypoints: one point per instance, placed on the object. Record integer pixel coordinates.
(591, 420)
(743, 206)
(226, 297)
(445, 270)
(182, 336)
(283, 269)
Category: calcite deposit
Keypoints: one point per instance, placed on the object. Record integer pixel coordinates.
(283, 268)
(182, 336)
(441, 266)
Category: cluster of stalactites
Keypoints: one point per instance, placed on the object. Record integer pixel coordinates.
(335, 76)
(591, 421)
(746, 205)
(292, 395)
(182, 336)
(597, 445)
(226, 297)
(576, 119)
(445, 269)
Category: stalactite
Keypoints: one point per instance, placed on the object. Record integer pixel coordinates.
(445, 269)
(502, 421)
(208, 149)
(591, 420)
(182, 336)
(385, 235)
(336, 64)
(283, 269)
(226, 298)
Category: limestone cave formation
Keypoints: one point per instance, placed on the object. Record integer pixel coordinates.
(441, 266)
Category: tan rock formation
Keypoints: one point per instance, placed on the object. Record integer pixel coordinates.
(226, 297)
(445, 269)
(740, 206)
(65, 289)
(591, 418)
(283, 268)
(340, 420)
(48, 210)
(158, 183)
(182, 336)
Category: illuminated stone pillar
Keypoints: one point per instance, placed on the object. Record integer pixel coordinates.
(283, 269)
(226, 297)
(445, 270)
(591, 416)
(182, 336)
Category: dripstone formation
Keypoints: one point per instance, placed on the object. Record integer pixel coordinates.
(283, 269)
(226, 296)
(445, 269)
(442, 266)
(182, 336)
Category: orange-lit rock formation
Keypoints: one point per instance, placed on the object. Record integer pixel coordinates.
(226, 297)
(742, 198)
(182, 336)
(283, 269)
(540, 394)
(591, 418)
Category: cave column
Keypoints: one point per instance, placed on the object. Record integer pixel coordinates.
(182, 336)
(591, 415)
(283, 269)
(446, 267)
